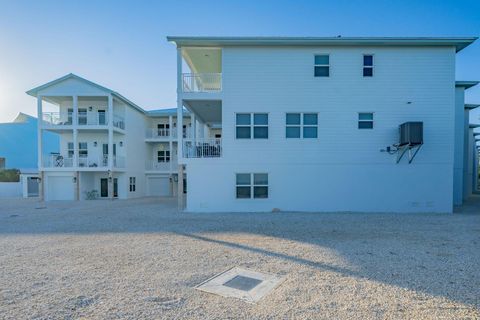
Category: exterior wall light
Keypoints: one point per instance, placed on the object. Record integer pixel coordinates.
(74, 179)
(95, 143)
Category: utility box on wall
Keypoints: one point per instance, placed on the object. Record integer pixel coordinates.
(411, 133)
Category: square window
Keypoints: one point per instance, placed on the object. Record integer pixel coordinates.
(310, 119)
(243, 192)
(260, 178)
(322, 59)
(260, 192)
(243, 119)
(322, 71)
(243, 179)
(293, 118)
(310, 132)
(293, 132)
(260, 119)
(243, 133)
(260, 132)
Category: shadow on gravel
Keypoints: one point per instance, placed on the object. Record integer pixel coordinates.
(437, 254)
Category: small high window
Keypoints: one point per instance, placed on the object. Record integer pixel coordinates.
(368, 65)
(252, 185)
(365, 120)
(301, 125)
(250, 125)
(322, 65)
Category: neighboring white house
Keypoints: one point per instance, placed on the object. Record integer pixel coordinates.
(312, 124)
(107, 143)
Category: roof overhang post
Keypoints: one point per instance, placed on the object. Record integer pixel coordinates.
(39, 131)
(179, 105)
(110, 132)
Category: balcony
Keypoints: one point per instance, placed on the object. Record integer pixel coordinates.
(91, 162)
(165, 134)
(88, 119)
(202, 82)
(203, 148)
(152, 165)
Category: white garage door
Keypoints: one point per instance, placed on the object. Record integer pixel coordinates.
(60, 188)
(159, 186)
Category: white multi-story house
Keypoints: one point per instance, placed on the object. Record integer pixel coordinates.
(109, 146)
(313, 124)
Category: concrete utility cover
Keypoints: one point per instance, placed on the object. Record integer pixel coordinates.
(248, 285)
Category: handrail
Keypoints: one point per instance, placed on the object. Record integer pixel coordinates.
(202, 82)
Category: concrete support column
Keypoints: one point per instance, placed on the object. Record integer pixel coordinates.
(41, 186)
(75, 131)
(193, 120)
(77, 185)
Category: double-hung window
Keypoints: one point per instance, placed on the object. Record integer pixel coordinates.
(368, 65)
(322, 65)
(163, 130)
(301, 125)
(133, 186)
(82, 116)
(82, 149)
(163, 156)
(70, 151)
(252, 185)
(365, 120)
(250, 125)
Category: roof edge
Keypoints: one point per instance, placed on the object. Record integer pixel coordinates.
(466, 84)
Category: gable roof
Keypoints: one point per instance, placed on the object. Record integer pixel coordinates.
(166, 112)
(33, 92)
(458, 42)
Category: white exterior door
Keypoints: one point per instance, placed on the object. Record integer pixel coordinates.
(60, 188)
(159, 186)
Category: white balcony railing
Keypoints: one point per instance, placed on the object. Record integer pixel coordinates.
(203, 148)
(152, 165)
(88, 119)
(154, 133)
(63, 161)
(202, 82)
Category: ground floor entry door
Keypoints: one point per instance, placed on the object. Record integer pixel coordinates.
(104, 187)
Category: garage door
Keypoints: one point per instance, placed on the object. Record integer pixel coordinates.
(60, 188)
(159, 186)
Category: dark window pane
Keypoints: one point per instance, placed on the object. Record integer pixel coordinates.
(365, 116)
(365, 125)
(260, 118)
(310, 132)
(310, 118)
(260, 192)
(243, 133)
(322, 71)
(368, 60)
(293, 132)
(260, 132)
(243, 118)
(293, 118)
(322, 59)
(243, 179)
(243, 193)
(368, 72)
(260, 178)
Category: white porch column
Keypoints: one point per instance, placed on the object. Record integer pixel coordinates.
(170, 142)
(180, 128)
(110, 146)
(40, 147)
(75, 131)
(193, 120)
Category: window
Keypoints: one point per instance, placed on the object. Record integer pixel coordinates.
(163, 130)
(322, 65)
(368, 65)
(70, 151)
(69, 116)
(365, 120)
(82, 149)
(132, 184)
(82, 116)
(301, 125)
(250, 185)
(245, 129)
(163, 156)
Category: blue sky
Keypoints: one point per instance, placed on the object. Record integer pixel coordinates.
(122, 45)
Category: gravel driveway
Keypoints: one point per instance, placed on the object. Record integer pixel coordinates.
(140, 259)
